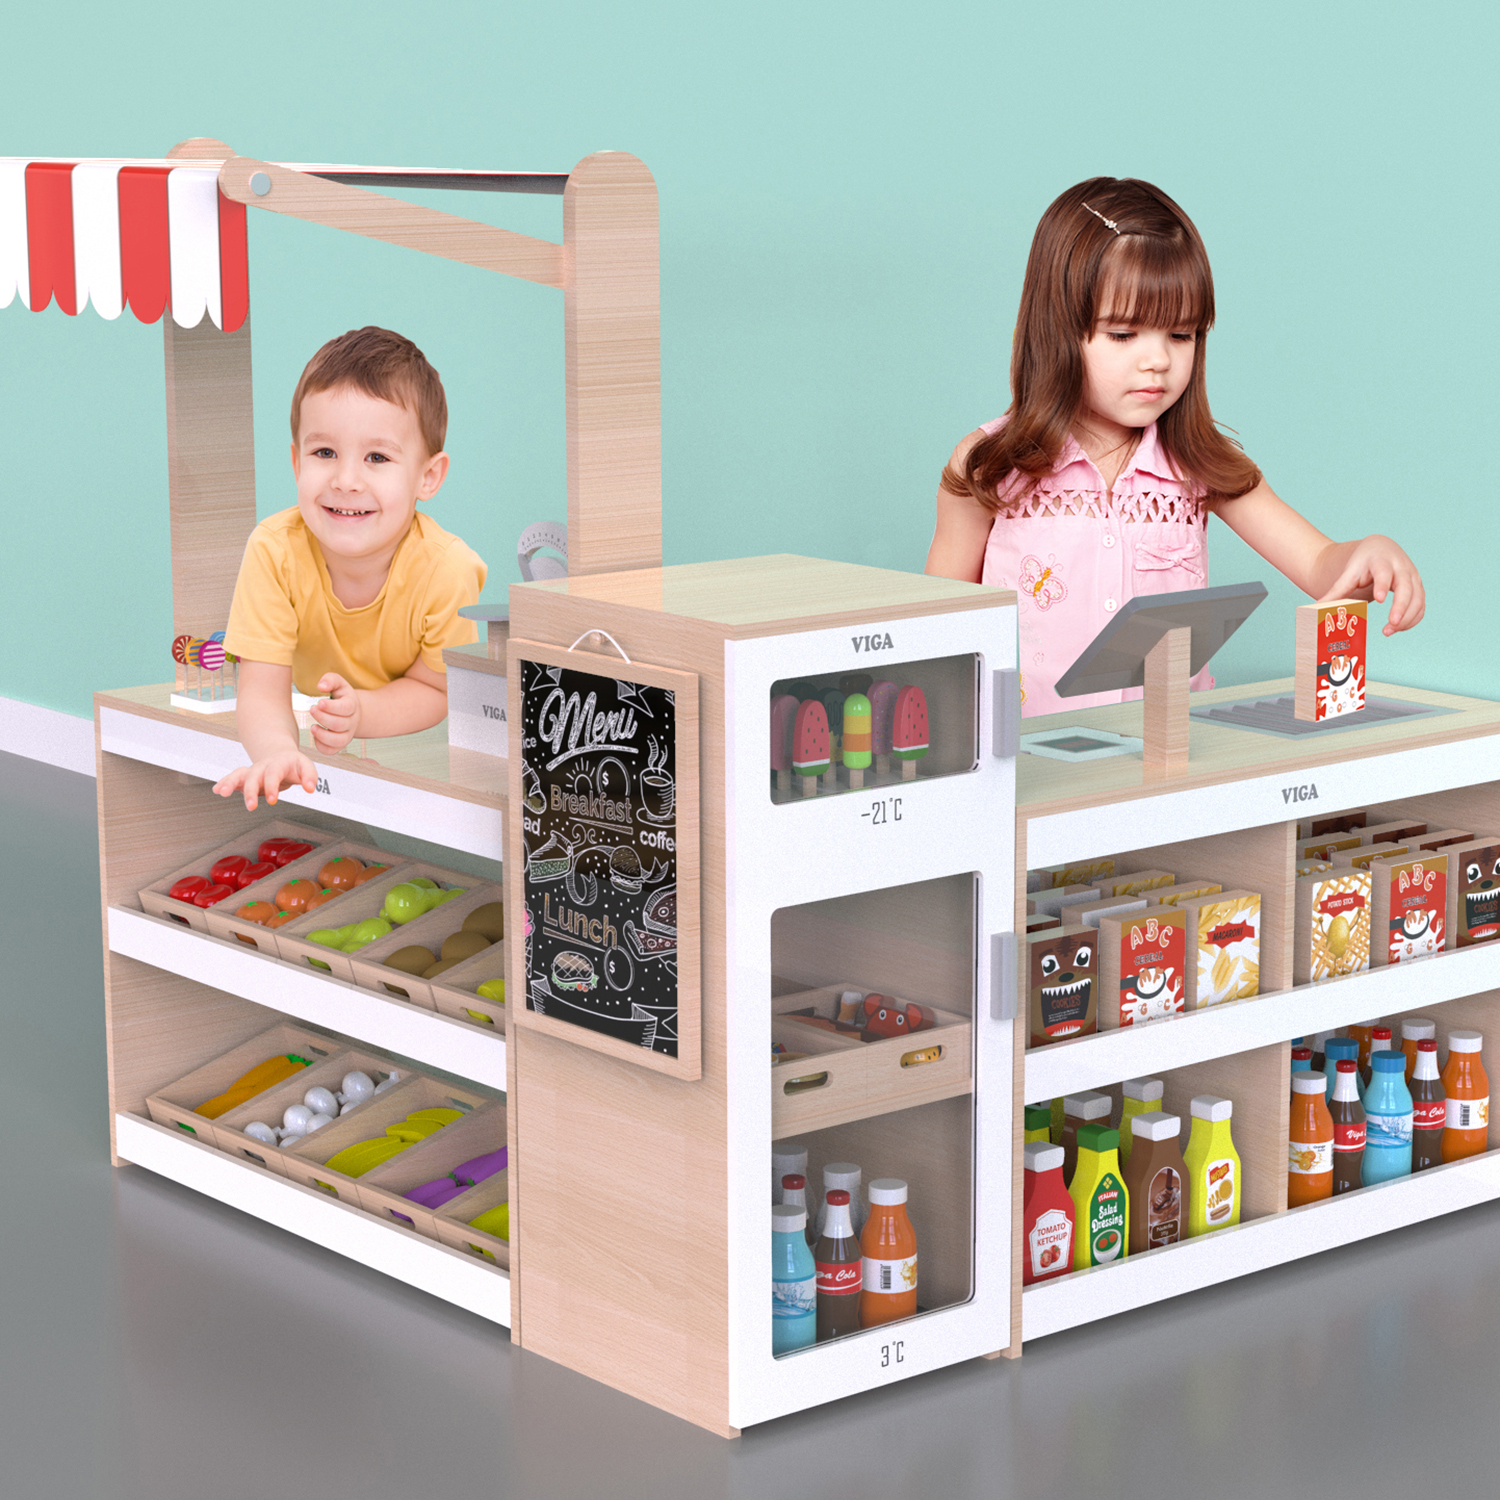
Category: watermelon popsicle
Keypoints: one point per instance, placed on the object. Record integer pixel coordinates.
(856, 738)
(811, 754)
(783, 723)
(882, 696)
(909, 733)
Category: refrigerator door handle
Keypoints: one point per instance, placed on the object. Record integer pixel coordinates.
(1006, 742)
(1003, 976)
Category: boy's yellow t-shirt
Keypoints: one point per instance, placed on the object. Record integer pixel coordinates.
(285, 612)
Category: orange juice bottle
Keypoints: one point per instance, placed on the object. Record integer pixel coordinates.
(1363, 1034)
(1467, 1087)
(1309, 1175)
(1416, 1029)
(889, 1247)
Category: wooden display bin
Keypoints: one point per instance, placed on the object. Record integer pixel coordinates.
(368, 965)
(382, 1191)
(306, 1162)
(861, 1078)
(455, 993)
(454, 1229)
(229, 1129)
(154, 897)
(177, 1104)
(354, 906)
(223, 923)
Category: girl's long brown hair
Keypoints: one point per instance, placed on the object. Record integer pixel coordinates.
(1152, 271)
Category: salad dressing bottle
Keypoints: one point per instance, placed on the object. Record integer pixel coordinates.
(1101, 1203)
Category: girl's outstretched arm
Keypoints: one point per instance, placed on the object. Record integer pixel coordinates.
(963, 527)
(1371, 567)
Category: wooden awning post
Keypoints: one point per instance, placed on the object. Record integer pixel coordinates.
(1165, 732)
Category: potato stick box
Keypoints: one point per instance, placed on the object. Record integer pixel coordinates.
(1333, 925)
(1223, 935)
(1175, 895)
(1142, 958)
(1134, 884)
(1473, 892)
(1055, 877)
(1408, 906)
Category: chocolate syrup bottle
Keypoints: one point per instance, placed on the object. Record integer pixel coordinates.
(1429, 1108)
(1348, 1129)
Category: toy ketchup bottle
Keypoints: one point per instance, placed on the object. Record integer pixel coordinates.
(1429, 1109)
(1348, 1125)
(1467, 1086)
(889, 1248)
(1046, 1215)
(1309, 1162)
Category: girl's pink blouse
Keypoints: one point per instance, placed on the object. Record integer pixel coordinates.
(1075, 552)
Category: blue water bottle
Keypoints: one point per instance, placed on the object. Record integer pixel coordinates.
(1335, 1050)
(794, 1276)
(1388, 1120)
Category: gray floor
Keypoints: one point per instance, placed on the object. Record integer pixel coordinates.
(153, 1343)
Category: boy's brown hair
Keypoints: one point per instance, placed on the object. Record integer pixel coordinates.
(384, 365)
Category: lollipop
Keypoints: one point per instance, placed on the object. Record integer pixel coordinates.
(211, 657)
(192, 651)
(179, 649)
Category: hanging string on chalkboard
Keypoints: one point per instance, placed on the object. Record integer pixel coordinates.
(607, 636)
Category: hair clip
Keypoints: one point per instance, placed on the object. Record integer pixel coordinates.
(1108, 223)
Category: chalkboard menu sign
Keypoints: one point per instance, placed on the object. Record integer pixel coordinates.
(608, 808)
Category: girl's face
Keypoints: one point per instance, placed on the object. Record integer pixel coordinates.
(1132, 375)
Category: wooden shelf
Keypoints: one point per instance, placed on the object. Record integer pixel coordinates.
(465, 1280)
(452, 1046)
(1137, 1051)
(1141, 1279)
(415, 785)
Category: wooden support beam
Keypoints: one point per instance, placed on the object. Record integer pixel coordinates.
(613, 337)
(377, 217)
(1166, 707)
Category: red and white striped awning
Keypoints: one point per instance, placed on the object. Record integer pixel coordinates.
(153, 234)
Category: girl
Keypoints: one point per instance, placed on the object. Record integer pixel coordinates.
(1097, 483)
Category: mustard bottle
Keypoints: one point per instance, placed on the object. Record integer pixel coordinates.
(1101, 1203)
(1214, 1181)
(1141, 1097)
(1038, 1122)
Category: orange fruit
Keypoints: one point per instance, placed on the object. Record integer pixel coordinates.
(341, 874)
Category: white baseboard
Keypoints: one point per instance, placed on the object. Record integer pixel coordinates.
(47, 734)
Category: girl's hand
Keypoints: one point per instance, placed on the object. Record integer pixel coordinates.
(336, 717)
(288, 767)
(1378, 564)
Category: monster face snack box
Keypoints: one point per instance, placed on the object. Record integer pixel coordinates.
(1473, 891)
(1062, 966)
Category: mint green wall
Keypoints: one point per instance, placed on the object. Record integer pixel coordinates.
(847, 194)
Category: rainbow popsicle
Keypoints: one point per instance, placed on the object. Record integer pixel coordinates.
(856, 738)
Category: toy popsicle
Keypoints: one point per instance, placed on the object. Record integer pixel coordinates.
(909, 735)
(783, 723)
(882, 696)
(833, 707)
(810, 745)
(856, 739)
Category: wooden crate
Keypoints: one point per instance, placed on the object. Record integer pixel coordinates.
(154, 897)
(454, 1229)
(863, 1078)
(229, 1130)
(177, 1103)
(223, 923)
(306, 1162)
(382, 1192)
(456, 994)
(353, 906)
(370, 971)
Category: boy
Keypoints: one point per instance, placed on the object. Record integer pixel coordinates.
(352, 594)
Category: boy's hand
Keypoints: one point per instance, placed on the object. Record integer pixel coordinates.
(288, 767)
(1378, 564)
(336, 717)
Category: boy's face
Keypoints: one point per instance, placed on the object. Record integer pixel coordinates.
(361, 466)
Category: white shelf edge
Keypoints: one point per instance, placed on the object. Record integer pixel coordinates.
(1137, 1281)
(1136, 1051)
(343, 791)
(401, 1253)
(1200, 812)
(241, 970)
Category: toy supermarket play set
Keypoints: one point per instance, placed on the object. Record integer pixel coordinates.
(1057, 1023)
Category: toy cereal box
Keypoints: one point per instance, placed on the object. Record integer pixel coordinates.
(1333, 925)
(1224, 931)
(1408, 906)
(1062, 968)
(1473, 891)
(1330, 681)
(1142, 964)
